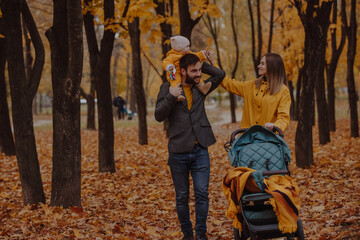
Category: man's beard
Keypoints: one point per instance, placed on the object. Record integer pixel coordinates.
(190, 80)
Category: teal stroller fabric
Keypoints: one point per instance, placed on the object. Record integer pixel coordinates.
(260, 149)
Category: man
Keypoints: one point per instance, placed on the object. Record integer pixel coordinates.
(190, 134)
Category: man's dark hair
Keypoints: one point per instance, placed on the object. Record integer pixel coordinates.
(188, 59)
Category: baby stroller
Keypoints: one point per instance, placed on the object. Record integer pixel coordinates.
(263, 150)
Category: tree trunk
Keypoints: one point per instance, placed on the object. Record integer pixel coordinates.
(22, 93)
(232, 98)
(128, 78)
(303, 137)
(65, 38)
(259, 32)
(134, 32)
(232, 107)
(313, 21)
(90, 102)
(166, 30)
(35, 104)
(147, 80)
(104, 103)
(335, 54)
(93, 52)
(351, 51)
(114, 71)
(28, 60)
(213, 28)
(292, 106)
(133, 106)
(298, 92)
(40, 103)
(186, 22)
(323, 120)
(91, 109)
(7, 145)
(28, 56)
(100, 63)
(313, 108)
(271, 25)
(255, 56)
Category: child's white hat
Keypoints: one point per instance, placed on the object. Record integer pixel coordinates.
(178, 43)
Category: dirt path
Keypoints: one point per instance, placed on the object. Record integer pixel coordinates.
(217, 116)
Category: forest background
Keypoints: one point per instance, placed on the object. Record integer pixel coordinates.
(116, 48)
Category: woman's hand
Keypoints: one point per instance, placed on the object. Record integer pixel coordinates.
(269, 126)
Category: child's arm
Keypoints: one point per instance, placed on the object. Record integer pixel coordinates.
(201, 55)
(168, 64)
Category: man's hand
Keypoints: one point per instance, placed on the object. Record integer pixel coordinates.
(269, 126)
(175, 91)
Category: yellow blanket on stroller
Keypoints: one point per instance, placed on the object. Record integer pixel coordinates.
(285, 201)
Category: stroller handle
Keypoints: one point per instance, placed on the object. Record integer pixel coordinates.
(275, 172)
(241, 130)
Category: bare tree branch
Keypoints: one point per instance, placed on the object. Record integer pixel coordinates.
(151, 63)
(271, 24)
(39, 49)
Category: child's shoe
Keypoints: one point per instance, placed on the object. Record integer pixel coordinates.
(204, 87)
(180, 98)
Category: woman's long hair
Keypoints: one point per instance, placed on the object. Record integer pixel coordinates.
(275, 73)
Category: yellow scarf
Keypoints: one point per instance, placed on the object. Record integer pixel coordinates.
(189, 96)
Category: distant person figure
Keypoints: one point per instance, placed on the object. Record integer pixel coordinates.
(120, 103)
(180, 46)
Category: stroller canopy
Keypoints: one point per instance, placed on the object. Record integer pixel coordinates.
(260, 149)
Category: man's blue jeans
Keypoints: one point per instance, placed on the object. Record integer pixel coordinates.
(198, 163)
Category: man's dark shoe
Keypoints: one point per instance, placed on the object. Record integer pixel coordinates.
(201, 237)
(188, 237)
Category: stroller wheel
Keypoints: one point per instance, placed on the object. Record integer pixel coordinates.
(300, 230)
(236, 234)
(240, 236)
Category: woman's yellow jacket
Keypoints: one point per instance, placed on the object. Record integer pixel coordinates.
(259, 106)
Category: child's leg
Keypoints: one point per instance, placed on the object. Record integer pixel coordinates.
(174, 83)
(203, 87)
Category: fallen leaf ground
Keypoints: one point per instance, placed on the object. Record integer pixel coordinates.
(138, 201)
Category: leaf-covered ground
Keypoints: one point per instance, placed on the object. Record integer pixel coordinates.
(138, 202)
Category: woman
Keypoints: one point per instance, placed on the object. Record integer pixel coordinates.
(266, 99)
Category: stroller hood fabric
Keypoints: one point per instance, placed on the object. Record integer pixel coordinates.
(261, 149)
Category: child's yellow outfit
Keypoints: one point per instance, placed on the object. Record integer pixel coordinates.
(173, 59)
(259, 106)
(179, 47)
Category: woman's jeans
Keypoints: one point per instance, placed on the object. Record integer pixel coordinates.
(198, 163)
